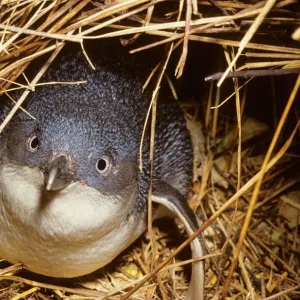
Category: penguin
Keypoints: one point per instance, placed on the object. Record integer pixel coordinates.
(72, 196)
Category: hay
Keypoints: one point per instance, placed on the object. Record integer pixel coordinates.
(268, 241)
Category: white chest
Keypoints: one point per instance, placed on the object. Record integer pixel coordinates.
(70, 234)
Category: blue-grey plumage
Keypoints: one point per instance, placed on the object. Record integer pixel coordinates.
(72, 196)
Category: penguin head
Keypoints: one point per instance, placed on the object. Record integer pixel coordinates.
(88, 132)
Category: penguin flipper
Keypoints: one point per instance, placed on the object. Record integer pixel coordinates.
(170, 198)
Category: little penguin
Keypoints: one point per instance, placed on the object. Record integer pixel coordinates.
(72, 196)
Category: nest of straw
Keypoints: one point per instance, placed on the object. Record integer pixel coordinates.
(250, 202)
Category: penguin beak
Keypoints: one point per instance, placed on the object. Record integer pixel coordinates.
(58, 174)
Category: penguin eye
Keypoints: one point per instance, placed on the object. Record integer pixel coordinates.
(103, 165)
(33, 143)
